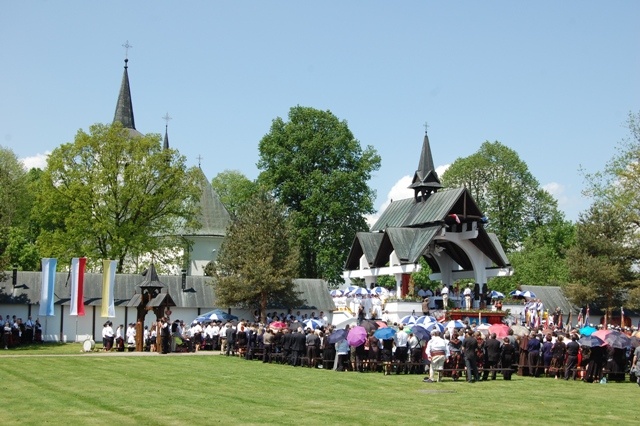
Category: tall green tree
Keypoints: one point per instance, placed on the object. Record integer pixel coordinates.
(505, 191)
(616, 194)
(258, 259)
(14, 201)
(601, 262)
(541, 258)
(234, 189)
(318, 170)
(619, 183)
(110, 195)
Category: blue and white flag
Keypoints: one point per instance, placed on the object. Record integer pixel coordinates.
(48, 286)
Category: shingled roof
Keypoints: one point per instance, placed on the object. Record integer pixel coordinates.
(213, 215)
(198, 292)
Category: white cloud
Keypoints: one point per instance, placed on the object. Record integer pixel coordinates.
(558, 192)
(38, 161)
(399, 191)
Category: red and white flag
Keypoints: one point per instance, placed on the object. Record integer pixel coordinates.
(77, 285)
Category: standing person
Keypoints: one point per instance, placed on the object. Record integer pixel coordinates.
(467, 298)
(470, 348)
(445, 297)
(107, 332)
(165, 335)
(342, 351)
(28, 330)
(312, 341)
(635, 362)
(374, 351)
(230, 337)
(507, 358)
(547, 354)
(425, 306)
(361, 313)
(299, 341)
(131, 337)
(493, 352)
(437, 352)
(557, 355)
(401, 340)
(267, 343)
(533, 349)
(571, 364)
(455, 355)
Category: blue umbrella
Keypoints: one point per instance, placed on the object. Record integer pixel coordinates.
(409, 319)
(379, 291)
(424, 319)
(359, 292)
(454, 324)
(336, 293)
(515, 293)
(215, 315)
(312, 324)
(420, 332)
(587, 331)
(338, 335)
(435, 326)
(529, 295)
(386, 333)
(496, 295)
(591, 341)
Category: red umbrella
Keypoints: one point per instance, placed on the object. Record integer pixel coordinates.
(501, 330)
(381, 324)
(357, 336)
(278, 325)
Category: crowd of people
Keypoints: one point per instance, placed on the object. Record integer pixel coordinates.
(15, 331)
(461, 352)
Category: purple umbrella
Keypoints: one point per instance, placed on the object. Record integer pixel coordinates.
(357, 336)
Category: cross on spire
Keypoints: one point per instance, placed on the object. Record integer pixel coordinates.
(199, 157)
(126, 46)
(166, 118)
(426, 127)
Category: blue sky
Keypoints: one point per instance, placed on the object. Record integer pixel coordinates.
(552, 80)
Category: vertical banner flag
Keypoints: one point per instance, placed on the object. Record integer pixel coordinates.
(77, 285)
(108, 281)
(48, 285)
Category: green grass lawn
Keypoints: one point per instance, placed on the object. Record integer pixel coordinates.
(47, 386)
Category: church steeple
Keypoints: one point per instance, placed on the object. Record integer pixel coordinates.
(166, 118)
(124, 107)
(425, 179)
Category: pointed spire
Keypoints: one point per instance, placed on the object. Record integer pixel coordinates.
(124, 107)
(166, 118)
(425, 179)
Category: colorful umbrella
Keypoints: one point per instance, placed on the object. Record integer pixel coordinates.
(385, 333)
(454, 324)
(501, 330)
(434, 326)
(359, 292)
(496, 295)
(277, 325)
(587, 331)
(425, 319)
(357, 336)
(380, 291)
(409, 319)
(312, 324)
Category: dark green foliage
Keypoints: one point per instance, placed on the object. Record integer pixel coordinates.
(318, 170)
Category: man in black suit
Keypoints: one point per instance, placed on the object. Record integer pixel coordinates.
(492, 352)
(298, 346)
(287, 343)
(571, 365)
